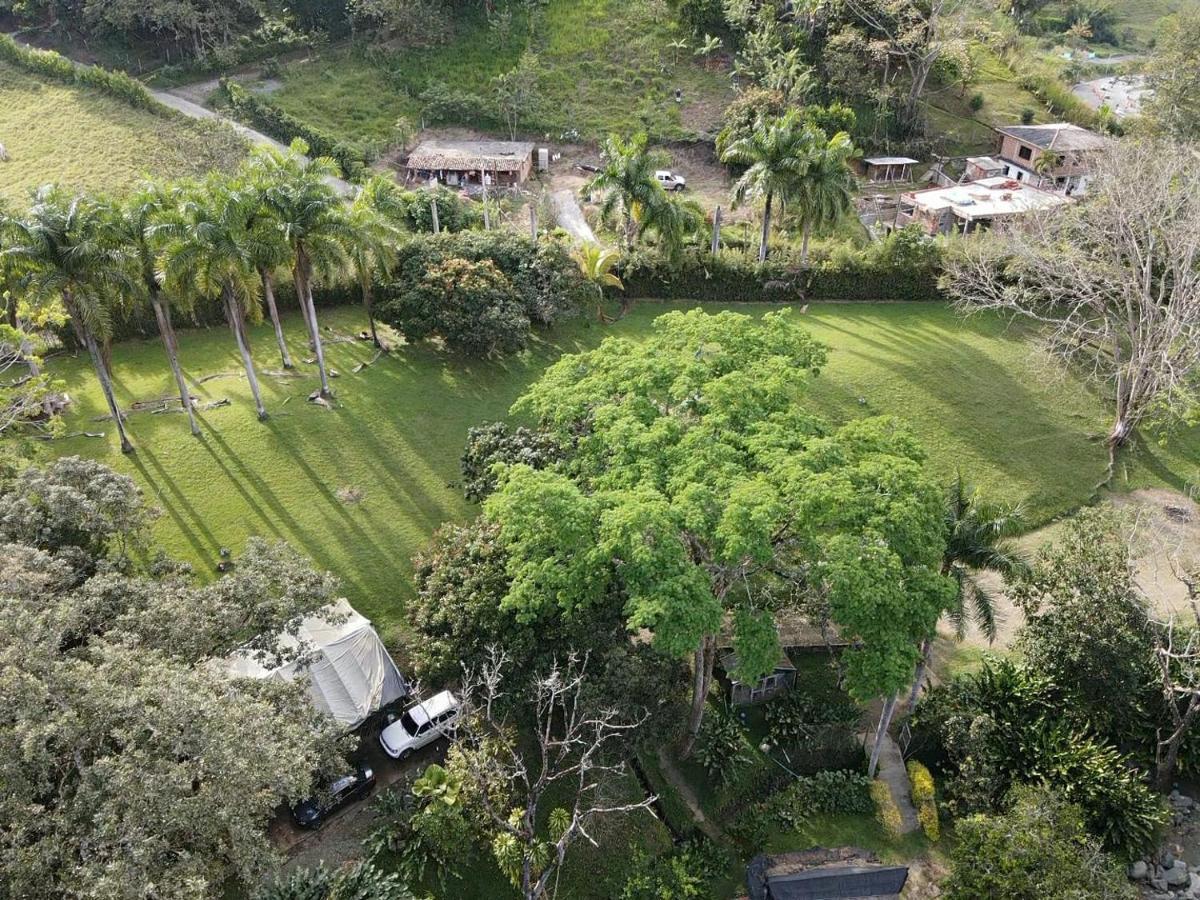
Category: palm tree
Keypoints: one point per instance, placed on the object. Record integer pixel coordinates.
(140, 220)
(268, 250)
(207, 254)
(371, 244)
(825, 190)
(296, 193)
(673, 219)
(595, 264)
(627, 178)
(1047, 162)
(776, 153)
(67, 250)
(979, 537)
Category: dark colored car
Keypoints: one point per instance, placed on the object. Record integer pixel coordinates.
(313, 812)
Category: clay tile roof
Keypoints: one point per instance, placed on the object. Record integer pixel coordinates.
(465, 156)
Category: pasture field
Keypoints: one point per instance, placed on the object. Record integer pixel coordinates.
(360, 488)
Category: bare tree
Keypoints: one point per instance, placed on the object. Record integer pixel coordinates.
(576, 759)
(1114, 280)
(1177, 651)
(918, 34)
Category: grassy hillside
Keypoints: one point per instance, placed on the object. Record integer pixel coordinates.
(606, 67)
(92, 142)
(977, 393)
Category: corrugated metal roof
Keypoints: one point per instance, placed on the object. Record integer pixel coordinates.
(891, 161)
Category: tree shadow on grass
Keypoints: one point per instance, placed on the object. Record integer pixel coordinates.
(204, 544)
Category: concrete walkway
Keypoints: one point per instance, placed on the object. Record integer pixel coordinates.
(570, 217)
(895, 775)
(688, 796)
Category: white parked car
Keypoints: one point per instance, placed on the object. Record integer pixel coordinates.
(419, 725)
(670, 180)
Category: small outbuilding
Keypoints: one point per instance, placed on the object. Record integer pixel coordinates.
(782, 677)
(845, 873)
(888, 168)
(349, 672)
(468, 163)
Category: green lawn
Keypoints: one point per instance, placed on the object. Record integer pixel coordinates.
(93, 142)
(602, 62)
(977, 393)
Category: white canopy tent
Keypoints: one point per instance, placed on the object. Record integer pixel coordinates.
(349, 671)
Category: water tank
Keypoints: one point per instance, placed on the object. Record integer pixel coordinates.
(543, 159)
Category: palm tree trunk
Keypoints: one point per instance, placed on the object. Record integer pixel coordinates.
(369, 303)
(89, 340)
(804, 244)
(304, 287)
(237, 324)
(885, 721)
(766, 229)
(268, 284)
(167, 332)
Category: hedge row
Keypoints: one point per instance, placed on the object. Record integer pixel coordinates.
(269, 118)
(730, 277)
(49, 64)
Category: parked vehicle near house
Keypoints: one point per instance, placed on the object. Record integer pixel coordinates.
(419, 725)
(669, 180)
(353, 786)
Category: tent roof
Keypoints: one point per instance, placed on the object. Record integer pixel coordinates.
(350, 673)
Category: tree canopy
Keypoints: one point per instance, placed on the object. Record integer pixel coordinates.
(698, 484)
(130, 769)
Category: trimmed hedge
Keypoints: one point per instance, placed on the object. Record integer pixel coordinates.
(49, 64)
(886, 810)
(924, 796)
(270, 119)
(732, 277)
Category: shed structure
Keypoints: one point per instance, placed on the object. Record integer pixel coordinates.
(888, 168)
(467, 163)
(782, 677)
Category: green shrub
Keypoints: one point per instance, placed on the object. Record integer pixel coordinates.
(976, 102)
(723, 747)
(1027, 115)
(921, 781)
(831, 792)
(927, 815)
(454, 212)
(886, 810)
(472, 306)
(682, 874)
(798, 716)
(543, 273)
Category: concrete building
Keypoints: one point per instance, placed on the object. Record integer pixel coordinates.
(467, 163)
(1055, 157)
(973, 205)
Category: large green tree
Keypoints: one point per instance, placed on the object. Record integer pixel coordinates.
(129, 768)
(697, 481)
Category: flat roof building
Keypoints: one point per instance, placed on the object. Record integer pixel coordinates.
(973, 204)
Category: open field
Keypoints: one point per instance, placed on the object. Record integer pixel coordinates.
(89, 141)
(606, 67)
(979, 395)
